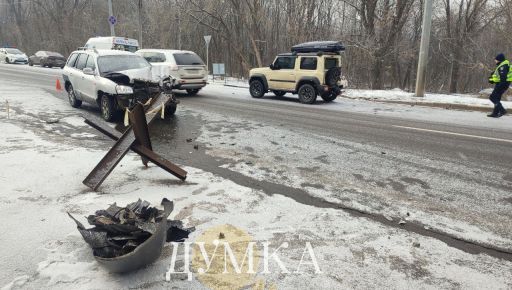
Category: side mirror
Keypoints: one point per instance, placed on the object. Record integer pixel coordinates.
(88, 71)
(271, 66)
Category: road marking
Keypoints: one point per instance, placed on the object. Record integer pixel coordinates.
(454, 134)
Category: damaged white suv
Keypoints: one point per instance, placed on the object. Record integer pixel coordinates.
(112, 79)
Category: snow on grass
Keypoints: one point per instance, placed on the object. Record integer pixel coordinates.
(402, 96)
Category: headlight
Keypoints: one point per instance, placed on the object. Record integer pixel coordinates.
(124, 90)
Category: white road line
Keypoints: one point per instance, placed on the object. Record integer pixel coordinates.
(455, 134)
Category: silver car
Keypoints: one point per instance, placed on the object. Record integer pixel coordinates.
(186, 67)
(114, 80)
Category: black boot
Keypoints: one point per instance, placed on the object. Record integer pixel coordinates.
(501, 110)
(494, 113)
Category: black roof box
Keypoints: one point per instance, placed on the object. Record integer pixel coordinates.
(318, 46)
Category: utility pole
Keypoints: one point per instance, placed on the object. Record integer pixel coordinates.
(140, 23)
(179, 30)
(111, 13)
(421, 76)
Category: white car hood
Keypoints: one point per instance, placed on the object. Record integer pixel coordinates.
(139, 74)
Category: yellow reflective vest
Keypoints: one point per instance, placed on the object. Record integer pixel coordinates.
(495, 77)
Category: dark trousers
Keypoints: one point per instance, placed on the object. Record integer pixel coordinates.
(496, 95)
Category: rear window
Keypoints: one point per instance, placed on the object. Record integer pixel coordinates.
(154, 56)
(187, 58)
(82, 60)
(72, 60)
(116, 63)
(331, 62)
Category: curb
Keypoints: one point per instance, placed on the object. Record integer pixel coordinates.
(446, 106)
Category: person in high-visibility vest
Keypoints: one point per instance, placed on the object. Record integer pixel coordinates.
(500, 78)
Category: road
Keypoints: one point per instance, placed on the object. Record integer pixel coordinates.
(447, 174)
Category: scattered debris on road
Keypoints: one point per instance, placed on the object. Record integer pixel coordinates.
(127, 238)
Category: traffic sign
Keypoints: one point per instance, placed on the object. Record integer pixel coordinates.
(112, 20)
(207, 39)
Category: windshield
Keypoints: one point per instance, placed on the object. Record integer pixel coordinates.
(13, 51)
(116, 63)
(187, 59)
(125, 47)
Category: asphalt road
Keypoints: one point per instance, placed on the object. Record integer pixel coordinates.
(448, 173)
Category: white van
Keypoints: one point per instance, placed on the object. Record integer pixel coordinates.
(186, 67)
(113, 43)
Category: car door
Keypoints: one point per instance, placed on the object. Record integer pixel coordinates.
(283, 76)
(88, 82)
(77, 78)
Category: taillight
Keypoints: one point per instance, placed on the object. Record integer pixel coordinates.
(174, 67)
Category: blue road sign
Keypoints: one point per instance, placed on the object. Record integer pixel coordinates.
(112, 20)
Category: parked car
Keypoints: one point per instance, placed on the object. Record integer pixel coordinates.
(47, 59)
(112, 42)
(185, 66)
(13, 55)
(311, 69)
(112, 79)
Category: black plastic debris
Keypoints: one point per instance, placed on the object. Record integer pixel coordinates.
(127, 238)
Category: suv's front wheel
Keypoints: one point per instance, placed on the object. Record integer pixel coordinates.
(108, 108)
(73, 101)
(307, 94)
(257, 89)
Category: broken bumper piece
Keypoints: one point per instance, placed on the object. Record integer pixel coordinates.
(127, 238)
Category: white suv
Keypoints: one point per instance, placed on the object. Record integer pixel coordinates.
(112, 79)
(185, 66)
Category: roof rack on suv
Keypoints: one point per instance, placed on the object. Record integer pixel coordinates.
(335, 47)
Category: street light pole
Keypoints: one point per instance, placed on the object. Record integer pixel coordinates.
(111, 13)
(421, 76)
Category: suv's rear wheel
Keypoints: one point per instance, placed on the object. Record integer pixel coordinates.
(279, 93)
(192, 92)
(257, 89)
(73, 101)
(108, 108)
(307, 94)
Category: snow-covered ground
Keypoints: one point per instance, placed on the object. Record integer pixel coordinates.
(43, 164)
(397, 95)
